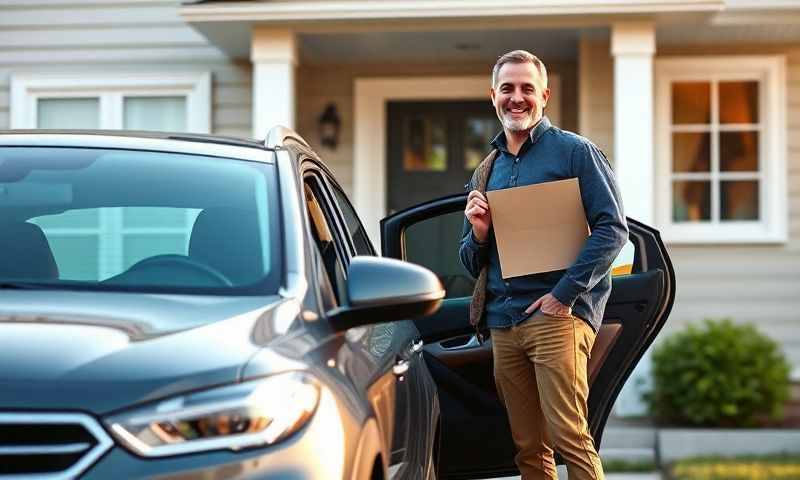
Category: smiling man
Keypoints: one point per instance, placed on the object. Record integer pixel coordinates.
(543, 326)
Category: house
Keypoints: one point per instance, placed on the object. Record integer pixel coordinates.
(696, 103)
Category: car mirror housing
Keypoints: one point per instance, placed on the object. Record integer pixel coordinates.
(384, 290)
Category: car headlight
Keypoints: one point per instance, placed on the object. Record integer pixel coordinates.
(251, 414)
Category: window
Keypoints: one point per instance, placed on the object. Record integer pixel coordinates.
(157, 102)
(721, 146)
(354, 226)
(326, 244)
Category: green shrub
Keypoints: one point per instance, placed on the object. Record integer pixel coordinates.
(718, 374)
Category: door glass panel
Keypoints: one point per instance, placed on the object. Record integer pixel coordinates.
(433, 243)
(354, 226)
(738, 102)
(424, 144)
(691, 201)
(691, 103)
(477, 133)
(155, 113)
(691, 152)
(738, 151)
(75, 113)
(739, 200)
(623, 264)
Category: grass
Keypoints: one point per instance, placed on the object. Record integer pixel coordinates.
(776, 467)
(627, 466)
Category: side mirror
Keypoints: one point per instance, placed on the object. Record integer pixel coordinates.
(384, 290)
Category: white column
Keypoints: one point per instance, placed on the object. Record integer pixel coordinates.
(633, 45)
(274, 57)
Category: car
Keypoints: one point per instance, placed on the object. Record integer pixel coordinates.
(179, 305)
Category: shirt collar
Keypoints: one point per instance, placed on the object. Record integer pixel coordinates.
(499, 141)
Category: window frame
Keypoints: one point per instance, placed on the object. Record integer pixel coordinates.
(111, 90)
(770, 72)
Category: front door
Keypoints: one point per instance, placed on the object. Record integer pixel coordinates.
(434, 148)
(475, 437)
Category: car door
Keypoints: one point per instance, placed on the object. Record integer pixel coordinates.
(475, 437)
(393, 349)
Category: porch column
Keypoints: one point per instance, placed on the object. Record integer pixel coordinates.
(274, 57)
(633, 45)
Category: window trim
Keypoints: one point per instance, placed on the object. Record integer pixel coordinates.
(770, 71)
(111, 89)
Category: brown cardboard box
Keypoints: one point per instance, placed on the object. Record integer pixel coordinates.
(538, 228)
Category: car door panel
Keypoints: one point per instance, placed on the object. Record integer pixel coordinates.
(476, 440)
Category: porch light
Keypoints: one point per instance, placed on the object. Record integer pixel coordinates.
(329, 126)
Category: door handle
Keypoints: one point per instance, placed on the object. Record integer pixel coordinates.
(401, 368)
(471, 342)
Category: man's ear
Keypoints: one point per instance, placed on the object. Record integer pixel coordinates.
(491, 95)
(546, 96)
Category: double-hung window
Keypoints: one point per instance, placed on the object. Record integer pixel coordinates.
(120, 236)
(720, 149)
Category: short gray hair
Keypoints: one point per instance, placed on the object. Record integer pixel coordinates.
(519, 56)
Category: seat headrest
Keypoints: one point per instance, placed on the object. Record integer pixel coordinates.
(25, 253)
(229, 240)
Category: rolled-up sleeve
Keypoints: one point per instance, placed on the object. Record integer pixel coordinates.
(602, 203)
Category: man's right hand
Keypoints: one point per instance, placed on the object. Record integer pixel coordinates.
(478, 215)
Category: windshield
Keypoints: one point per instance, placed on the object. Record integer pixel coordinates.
(136, 220)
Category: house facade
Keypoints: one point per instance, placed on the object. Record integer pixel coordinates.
(696, 103)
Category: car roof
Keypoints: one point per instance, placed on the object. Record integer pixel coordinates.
(190, 143)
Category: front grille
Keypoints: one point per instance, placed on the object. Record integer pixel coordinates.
(49, 445)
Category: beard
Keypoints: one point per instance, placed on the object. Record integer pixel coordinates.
(518, 124)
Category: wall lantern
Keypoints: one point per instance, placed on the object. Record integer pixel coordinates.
(329, 126)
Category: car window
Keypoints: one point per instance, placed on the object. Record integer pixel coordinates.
(114, 219)
(354, 227)
(433, 243)
(324, 239)
(623, 264)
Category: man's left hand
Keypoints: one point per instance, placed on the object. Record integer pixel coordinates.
(549, 305)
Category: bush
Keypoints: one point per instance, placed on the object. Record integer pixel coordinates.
(718, 374)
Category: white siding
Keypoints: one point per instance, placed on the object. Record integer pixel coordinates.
(102, 36)
(748, 283)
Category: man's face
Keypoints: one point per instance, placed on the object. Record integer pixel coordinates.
(519, 96)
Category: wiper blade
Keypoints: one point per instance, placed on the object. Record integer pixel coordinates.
(23, 286)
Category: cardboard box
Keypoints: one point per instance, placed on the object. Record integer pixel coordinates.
(538, 228)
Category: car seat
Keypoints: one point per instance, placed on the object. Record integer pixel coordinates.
(25, 253)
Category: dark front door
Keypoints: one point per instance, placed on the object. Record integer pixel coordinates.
(475, 437)
(434, 148)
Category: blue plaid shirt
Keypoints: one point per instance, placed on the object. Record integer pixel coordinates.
(553, 154)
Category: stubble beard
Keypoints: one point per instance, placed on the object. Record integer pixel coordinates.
(517, 125)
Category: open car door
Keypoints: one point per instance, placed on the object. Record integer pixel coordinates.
(475, 440)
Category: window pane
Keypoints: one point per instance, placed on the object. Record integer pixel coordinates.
(623, 264)
(138, 247)
(691, 152)
(155, 217)
(738, 151)
(424, 144)
(739, 200)
(691, 201)
(88, 218)
(76, 256)
(155, 113)
(738, 102)
(68, 113)
(354, 227)
(477, 132)
(691, 102)
(433, 243)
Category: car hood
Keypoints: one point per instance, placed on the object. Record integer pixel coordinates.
(101, 351)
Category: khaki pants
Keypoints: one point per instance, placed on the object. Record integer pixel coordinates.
(540, 372)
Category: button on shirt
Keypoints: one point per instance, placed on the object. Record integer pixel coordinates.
(553, 154)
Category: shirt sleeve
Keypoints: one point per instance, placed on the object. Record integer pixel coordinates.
(602, 203)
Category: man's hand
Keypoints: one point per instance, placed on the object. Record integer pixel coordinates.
(549, 305)
(478, 215)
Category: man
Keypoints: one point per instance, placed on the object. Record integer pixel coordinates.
(543, 325)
